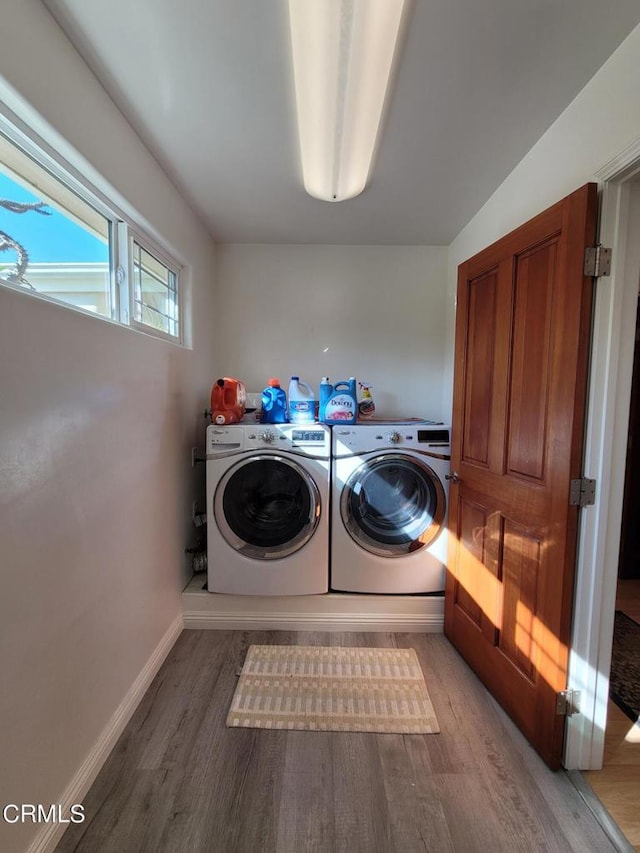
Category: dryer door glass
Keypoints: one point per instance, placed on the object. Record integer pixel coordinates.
(267, 507)
(393, 504)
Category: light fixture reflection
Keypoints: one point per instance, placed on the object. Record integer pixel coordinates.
(343, 54)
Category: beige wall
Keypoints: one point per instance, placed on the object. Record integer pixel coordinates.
(96, 427)
(373, 312)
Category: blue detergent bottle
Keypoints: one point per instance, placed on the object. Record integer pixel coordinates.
(326, 390)
(342, 405)
(274, 403)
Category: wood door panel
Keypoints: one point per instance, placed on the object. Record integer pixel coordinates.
(520, 575)
(477, 591)
(481, 332)
(485, 308)
(531, 351)
(512, 497)
(496, 582)
(471, 531)
(517, 693)
(522, 342)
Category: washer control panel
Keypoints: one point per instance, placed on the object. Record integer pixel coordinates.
(223, 439)
(310, 439)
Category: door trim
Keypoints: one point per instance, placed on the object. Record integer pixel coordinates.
(604, 459)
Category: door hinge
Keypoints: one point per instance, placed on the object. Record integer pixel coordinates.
(582, 492)
(568, 703)
(597, 261)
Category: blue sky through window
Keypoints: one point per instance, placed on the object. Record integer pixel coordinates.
(47, 239)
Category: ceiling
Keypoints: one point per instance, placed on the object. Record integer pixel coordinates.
(208, 86)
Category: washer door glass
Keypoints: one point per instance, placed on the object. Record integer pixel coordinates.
(393, 505)
(267, 507)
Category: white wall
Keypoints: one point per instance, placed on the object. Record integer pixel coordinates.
(96, 426)
(595, 127)
(374, 312)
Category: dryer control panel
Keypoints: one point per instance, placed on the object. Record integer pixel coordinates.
(433, 436)
(368, 438)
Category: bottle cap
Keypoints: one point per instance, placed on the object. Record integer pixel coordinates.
(274, 382)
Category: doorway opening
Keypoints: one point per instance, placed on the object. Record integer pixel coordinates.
(617, 785)
(629, 560)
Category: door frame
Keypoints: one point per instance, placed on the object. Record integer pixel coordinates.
(612, 346)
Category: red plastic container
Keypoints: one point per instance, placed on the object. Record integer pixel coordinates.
(228, 401)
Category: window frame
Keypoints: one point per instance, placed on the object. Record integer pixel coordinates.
(129, 235)
(123, 231)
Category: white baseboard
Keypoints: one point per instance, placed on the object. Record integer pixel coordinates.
(403, 622)
(330, 612)
(50, 835)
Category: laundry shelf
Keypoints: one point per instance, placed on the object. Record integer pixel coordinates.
(331, 612)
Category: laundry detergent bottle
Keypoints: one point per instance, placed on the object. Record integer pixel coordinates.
(228, 401)
(325, 391)
(342, 405)
(274, 403)
(302, 402)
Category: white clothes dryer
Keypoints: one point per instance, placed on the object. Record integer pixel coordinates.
(389, 507)
(268, 508)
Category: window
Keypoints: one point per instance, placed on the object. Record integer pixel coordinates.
(155, 293)
(61, 241)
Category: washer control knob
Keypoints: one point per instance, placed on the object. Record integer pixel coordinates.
(394, 437)
(268, 436)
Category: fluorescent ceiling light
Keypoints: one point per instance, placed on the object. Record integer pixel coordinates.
(342, 58)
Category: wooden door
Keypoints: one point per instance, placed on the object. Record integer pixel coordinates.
(522, 340)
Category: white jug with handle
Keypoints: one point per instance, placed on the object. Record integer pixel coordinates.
(302, 402)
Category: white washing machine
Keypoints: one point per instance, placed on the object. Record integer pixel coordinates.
(268, 490)
(389, 507)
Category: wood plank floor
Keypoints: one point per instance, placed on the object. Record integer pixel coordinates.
(178, 780)
(617, 785)
(628, 598)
